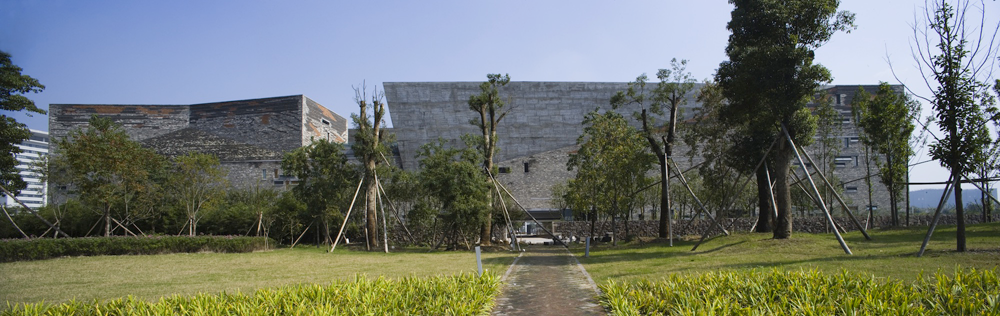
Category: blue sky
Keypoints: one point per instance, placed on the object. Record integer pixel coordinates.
(184, 52)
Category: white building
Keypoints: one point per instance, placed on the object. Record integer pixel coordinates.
(33, 150)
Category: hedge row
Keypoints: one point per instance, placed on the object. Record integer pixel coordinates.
(777, 292)
(45, 248)
(463, 294)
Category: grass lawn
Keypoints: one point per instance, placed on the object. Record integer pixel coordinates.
(891, 254)
(153, 276)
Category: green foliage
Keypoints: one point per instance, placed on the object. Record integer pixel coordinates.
(111, 172)
(196, 180)
(12, 87)
(778, 292)
(886, 122)
(611, 165)
(464, 294)
(770, 77)
(326, 181)
(45, 248)
(455, 180)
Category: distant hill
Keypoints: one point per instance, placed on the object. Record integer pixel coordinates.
(929, 198)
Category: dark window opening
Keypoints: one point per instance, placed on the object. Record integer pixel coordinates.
(504, 169)
(527, 167)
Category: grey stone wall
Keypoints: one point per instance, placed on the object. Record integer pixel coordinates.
(545, 115)
(320, 123)
(273, 123)
(248, 136)
(530, 179)
(139, 121)
(545, 122)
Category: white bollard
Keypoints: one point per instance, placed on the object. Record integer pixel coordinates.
(479, 261)
(586, 253)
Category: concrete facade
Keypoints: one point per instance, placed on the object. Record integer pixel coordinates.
(546, 120)
(248, 136)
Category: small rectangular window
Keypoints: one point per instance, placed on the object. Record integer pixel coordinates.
(263, 173)
(850, 189)
(527, 167)
(325, 122)
(504, 169)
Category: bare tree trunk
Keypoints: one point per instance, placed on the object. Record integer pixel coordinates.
(371, 222)
(959, 212)
(782, 194)
(763, 202)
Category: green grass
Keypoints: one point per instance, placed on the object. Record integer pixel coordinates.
(151, 277)
(779, 292)
(890, 255)
(462, 294)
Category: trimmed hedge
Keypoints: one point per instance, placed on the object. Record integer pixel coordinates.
(464, 294)
(45, 248)
(778, 292)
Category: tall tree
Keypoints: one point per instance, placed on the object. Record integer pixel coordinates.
(196, 180)
(370, 146)
(491, 109)
(886, 122)
(664, 103)
(612, 162)
(828, 143)
(106, 167)
(326, 180)
(13, 86)
(770, 77)
(958, 77)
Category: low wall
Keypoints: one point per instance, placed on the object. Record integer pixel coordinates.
(697, 227)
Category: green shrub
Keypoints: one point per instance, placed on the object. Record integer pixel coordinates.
(463, 294)
(45, 248)
(777, 292)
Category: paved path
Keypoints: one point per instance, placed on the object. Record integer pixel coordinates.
(547, 280)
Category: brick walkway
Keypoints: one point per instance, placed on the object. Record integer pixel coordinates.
(547, 280)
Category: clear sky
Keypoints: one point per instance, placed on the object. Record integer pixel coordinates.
(185, 52)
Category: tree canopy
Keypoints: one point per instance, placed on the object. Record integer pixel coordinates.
(13, 86)
(770, 77)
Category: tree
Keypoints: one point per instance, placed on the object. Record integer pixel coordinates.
(13, 86)
(491, 108)
(612, 163)
(828, 144)
(107, 168)
(670, 94)
(370, 148)
(326, 180)
(196, 180)
(454, 178)
(958, 78)
(886, 126)
(770, 77)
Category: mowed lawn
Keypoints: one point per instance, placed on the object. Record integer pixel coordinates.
(153, 276)
(891, 254)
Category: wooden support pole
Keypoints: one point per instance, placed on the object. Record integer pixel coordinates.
(334, 247)
(798, 183)
(759, 163)
(510, 225)
(532, 217)
(385, 226)
(4, 207)
(822, 205)
(770, 192)
(29, 210)
(696, 199)
(395, 211)
(839, 199)
(937, 213)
